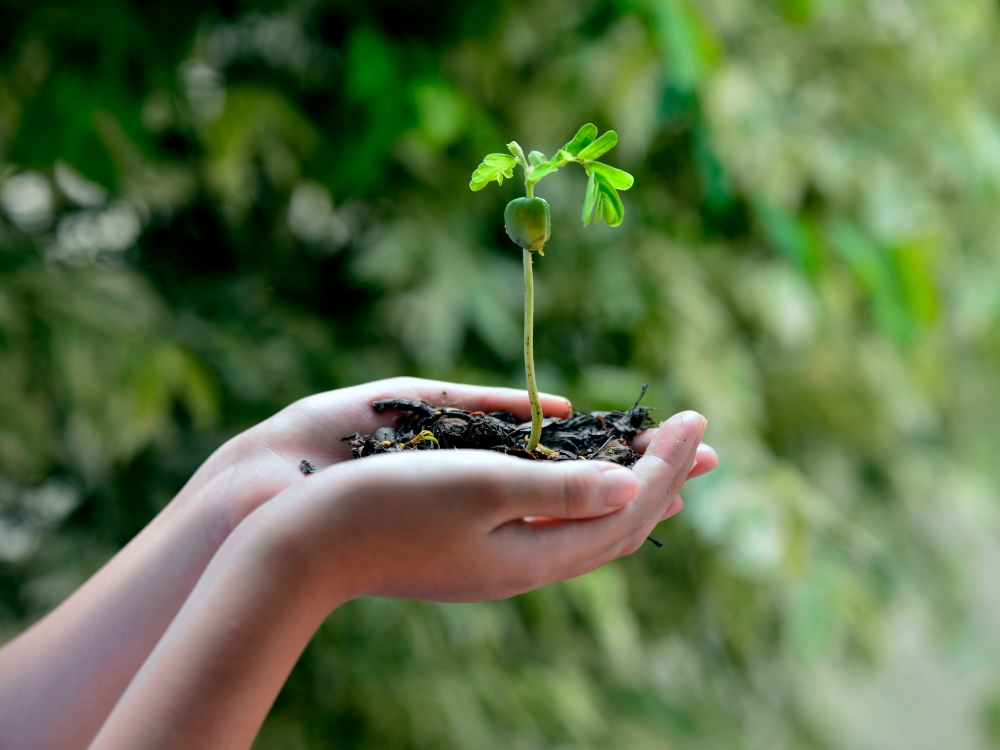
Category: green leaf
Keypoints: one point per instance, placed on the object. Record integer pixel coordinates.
(494, 167)
(611, 217)
(590, 199)
(916, 279)
(515, 148)
(611, 208)
(583, 138)
(499, 160)
(601, 146)
(619, 178)
(536, 158)
(541, 170)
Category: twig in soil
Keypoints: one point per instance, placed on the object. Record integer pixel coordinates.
(635, 406)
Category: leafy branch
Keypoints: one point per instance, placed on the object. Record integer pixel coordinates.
(601, 201)
(528, 222)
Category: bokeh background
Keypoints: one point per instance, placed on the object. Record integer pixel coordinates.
(208, 210)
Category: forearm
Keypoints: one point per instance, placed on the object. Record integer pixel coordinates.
(215, 673)
(61, 678)
(445, 526)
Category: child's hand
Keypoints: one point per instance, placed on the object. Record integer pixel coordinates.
(450, 525)
(706, 460)
(441, 525)
(424, 532)
(261, 462)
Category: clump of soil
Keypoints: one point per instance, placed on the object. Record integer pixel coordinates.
(593, 436)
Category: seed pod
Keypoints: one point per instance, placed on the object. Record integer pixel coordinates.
(528, 223)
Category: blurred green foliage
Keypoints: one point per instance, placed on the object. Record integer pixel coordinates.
(209, 210)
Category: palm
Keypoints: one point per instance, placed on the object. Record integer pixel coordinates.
(265, 460)
(267, 457)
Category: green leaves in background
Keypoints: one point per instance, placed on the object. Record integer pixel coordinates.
(814, 269)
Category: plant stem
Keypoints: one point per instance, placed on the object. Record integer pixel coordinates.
(529, 338)
(529, 352)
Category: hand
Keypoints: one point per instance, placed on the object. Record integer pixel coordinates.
(475, 525)
(122, 611)
(439, 525)
(261, 462)
(61, 678)
(706, 460)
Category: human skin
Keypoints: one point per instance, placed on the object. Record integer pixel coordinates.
(444, 527)
(60, 680)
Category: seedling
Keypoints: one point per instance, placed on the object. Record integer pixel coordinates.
(529, 224)
(601, 436)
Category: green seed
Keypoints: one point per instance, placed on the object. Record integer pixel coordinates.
(528, 223)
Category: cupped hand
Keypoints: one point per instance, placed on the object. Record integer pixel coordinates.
(447, 525)
(474, 525)
(706, 460)
(257, 464)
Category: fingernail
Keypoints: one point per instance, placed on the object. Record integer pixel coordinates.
(623, 486)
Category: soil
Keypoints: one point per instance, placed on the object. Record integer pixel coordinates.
(592, 436)
(583, 436)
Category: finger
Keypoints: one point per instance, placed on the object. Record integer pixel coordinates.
(494, 488)
(513, 400)
(564, 490)
(469, 397)
(641, 441)
(354, 405)
(661, 471)
(331, 415)
(668, 459)
(572, 548)
(675, 507)
(707, 458)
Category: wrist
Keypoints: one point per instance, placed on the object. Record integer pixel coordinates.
(313, 557)
(239, 477)
(215, 672)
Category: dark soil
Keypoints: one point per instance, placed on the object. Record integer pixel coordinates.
(587, 436)
(597, 436)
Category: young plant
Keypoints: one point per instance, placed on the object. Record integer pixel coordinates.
(529, 224)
